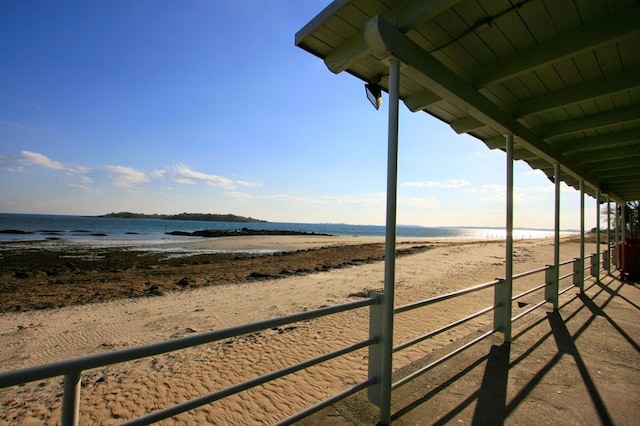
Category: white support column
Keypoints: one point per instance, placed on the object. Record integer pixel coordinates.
(503, 292)
(609, 246)
(578, 276)
(616, 237)
(390, 245)
(598, 256)
(623, 224)
(552, 291)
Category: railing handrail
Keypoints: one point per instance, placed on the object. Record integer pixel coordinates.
(61, 368)
(429, 301)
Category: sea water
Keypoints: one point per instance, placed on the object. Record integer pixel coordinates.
(90, 228)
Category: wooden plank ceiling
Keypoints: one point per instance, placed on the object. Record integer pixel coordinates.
(562, 75)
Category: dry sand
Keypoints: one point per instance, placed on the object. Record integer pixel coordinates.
(116, 393)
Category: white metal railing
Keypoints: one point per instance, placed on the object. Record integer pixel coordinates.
(73, 369)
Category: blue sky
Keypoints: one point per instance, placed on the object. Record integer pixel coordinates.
(208, 106)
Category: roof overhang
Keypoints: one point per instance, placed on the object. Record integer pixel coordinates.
(562, 76)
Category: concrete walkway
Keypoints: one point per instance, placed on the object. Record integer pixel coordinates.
(576, 366)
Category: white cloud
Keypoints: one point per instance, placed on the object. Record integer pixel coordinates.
(292, 199)
(428, 202)
(126, 177)
(37, 159)
(183, 174)
(246, 183)
(451, 183)
(520, 195)
(158, 173)
(239, 195)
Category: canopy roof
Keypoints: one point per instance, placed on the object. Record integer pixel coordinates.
(563, 76)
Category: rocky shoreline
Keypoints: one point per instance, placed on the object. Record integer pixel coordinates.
(216, 233)
(41, 278)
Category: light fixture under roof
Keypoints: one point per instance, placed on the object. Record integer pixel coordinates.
(374, 94)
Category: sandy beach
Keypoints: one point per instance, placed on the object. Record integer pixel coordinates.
(111, 395)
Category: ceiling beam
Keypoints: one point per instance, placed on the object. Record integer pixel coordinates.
(606, 86)
(466, 124)
(384, 39)
(606, 141)
(406, 16)
(607, 154)
(421, 100)
(602, 166)
(591, 122)
(601, 32)
(618, 172)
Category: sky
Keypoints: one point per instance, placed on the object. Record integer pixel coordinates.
(155, 106)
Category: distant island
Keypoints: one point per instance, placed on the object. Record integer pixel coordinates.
(207, 217)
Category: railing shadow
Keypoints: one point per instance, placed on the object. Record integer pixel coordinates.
(492, 397)
(492, 407)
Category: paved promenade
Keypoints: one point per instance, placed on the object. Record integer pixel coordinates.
(577, 366)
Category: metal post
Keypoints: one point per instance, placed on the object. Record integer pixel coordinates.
(608, 254)
(551, 288)
(623, 225)
(504, 290)
(595, 266)
(578, 277)
(597, 274)
(375, 351)
(390, 245)
(616, 237)
(71, 399)
(556, 242)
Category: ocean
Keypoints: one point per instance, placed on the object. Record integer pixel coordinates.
(118, 230)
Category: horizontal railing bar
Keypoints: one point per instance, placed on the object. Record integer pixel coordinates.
(570, 274)
(60, 368)
(531, 272)
(525, 312)
(434, 333)
(231, 390)
(419, 304)
(327, 402)
(566, 289)
(439, 361)
(531, 290)
(566, 262)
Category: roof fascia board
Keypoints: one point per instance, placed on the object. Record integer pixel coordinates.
(319, 20)
(565, 45)
(406, 16)
(590, 90)
(384, 39)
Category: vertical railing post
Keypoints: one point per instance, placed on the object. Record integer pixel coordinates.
(390, 244)
(607, 256)
(504, 290)
(556, 240)
(375, 350)
(71, 399)
(597, 225)
(595, 267)
(551, 288)
(578, 273)
(616, 237)
(579, 281)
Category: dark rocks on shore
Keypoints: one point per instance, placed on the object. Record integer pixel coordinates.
(240, 232)
(15, 232)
